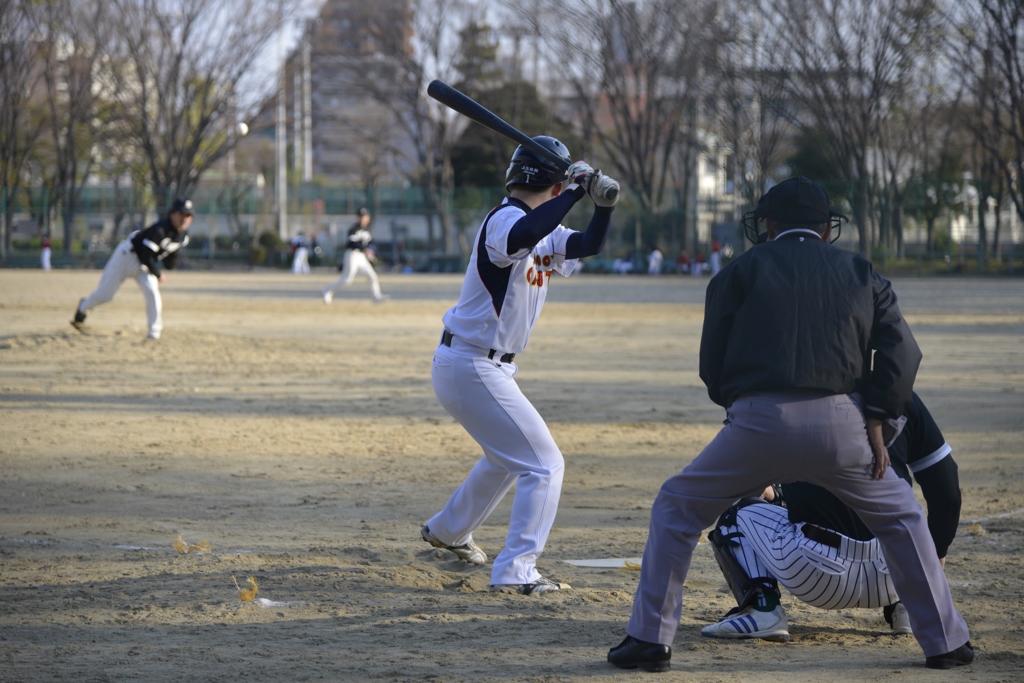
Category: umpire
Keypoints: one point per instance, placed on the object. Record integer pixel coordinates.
(789, 331)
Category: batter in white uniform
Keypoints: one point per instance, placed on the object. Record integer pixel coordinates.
(359, 251)
(519, 246)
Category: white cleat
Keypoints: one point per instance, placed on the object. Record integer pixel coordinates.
(470, 552)
(328, 296)
(539, 586)
(750, 623)
(901, 620)
(382, 297)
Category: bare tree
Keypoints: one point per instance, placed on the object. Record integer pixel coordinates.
(21, 112)
(635, 71)
(179, 80)
(76, 35)
(847, 59)
(988, 48)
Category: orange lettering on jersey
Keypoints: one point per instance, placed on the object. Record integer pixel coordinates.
(547, 261)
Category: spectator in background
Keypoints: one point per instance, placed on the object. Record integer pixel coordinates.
(44, 255)
(683, 262)
(300, 255)
(654, 261)
(698, 264)
(716, 258)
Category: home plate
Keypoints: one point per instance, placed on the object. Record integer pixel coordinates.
(609, 563)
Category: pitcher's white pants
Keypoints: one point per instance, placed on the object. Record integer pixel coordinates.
(356, 262)
(300, 264)
(124, 264)
(518, 449)
(851, 574)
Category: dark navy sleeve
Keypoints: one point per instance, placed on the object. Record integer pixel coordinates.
(940, 485)
(897, 356)
(591, 241)
(541, 222)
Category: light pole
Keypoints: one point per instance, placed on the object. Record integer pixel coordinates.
(282, 134)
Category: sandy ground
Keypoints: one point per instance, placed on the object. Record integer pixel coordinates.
(304, 443)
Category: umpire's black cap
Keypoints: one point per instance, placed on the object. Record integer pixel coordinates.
(183, 205)
(796, 201)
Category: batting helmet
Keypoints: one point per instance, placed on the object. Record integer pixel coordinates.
(529, 168)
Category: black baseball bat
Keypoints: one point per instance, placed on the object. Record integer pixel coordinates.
(471, 109)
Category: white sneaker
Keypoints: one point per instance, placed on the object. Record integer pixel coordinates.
(539, 586)
(328, 296)
(750, 623)
(470, 552)
(901, 620)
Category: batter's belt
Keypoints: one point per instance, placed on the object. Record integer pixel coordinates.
(446, 339)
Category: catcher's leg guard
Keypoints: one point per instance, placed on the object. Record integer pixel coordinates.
(744, 588)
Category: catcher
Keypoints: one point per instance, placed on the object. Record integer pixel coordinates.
(819, 549)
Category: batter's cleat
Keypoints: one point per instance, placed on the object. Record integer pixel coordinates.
(633, 653)
(328, 296)
(470, 552)
(539, 586)
(896, 615)
(962, 656)
(750, 623)
(79, 314)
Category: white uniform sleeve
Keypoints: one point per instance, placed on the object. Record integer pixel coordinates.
(498, 228)
(554, 246)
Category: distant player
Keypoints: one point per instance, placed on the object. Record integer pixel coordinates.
(142, 256)
(519, 246)
(359, 254)
(820, 550)
(45, 252)
(300, 255)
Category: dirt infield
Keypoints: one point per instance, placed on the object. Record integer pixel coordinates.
(304, 443)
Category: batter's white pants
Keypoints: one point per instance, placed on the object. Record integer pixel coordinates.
(518, 450)
(300, 264)
(124, 264)
(356, 262)
(780, 438)
(44, 258)
(854, 574)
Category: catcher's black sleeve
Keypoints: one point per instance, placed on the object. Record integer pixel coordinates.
(940, 485)
(897, 356)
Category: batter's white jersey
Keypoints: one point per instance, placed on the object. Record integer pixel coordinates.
(503, 294)
(835, 574)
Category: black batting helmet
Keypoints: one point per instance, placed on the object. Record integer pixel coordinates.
(529, 168)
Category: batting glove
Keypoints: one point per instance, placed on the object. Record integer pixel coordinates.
(603, 190)
(580, 174)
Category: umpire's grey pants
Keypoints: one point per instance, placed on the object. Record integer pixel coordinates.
(772, 438)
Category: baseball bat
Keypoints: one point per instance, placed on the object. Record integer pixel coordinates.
(473, 110)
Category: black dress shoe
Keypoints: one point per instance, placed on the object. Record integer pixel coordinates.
(961, 656)
(639, 654)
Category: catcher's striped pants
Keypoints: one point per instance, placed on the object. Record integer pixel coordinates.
(835, 574)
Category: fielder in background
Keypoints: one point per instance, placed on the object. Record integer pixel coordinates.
(359, 252)
(519, 246)
(300, 254)
(140, 256)
(45, 252)
(819, 549)
(789, 331)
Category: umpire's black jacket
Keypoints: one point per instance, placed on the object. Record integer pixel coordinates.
(159, 242)
(797, 313)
